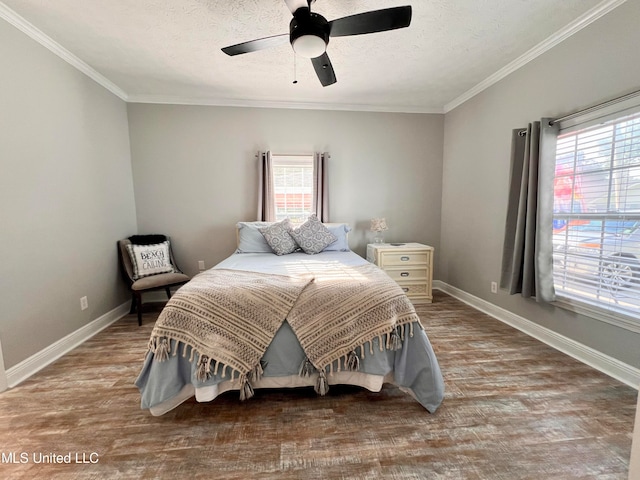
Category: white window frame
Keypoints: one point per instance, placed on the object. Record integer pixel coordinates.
(295, 162)
(592, 117)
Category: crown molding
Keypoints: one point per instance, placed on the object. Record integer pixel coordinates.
(589, 17)
(222, 102)
(28, 29)
(581, 22)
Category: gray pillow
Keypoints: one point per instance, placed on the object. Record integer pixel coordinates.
(313, 236)
(278, 238)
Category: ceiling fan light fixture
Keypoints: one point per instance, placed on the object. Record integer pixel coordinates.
(308, 33)
(309, 46)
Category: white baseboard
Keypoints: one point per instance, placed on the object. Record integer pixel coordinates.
(3, 375)
(621, 371)
(50, 354)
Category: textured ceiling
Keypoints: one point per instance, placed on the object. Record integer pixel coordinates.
(169, 50)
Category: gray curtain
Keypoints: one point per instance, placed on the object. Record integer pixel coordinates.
(527, 263)
(266, 204)
(320, 186)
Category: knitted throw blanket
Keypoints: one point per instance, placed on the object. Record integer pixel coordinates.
(229, 318)
(345, 308)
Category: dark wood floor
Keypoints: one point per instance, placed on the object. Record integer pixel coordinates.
(514, 409)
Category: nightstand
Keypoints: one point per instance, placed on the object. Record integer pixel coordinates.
(409, 264)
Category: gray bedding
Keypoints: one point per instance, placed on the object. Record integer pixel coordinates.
(414, 368)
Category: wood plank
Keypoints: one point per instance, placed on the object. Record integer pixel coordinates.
(514, 408)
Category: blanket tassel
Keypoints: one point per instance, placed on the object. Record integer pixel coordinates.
(162, 350)
(306, 368)
(256, 372)
(353, 362)
(246, 390)
(322, 386)
(395, 342)
(203, 372)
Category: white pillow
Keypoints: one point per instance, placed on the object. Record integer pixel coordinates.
(250, 240)
(340, 230)
(313, 236)
(278, 237)
(150, 259)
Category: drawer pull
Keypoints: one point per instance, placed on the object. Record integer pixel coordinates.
(405, 259)
(405, 289)
(404, 274)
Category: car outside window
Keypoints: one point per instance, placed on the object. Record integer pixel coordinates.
(596, 235)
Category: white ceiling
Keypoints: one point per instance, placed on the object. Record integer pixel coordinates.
(168, 51)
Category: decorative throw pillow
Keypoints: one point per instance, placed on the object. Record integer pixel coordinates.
(278, 237)
(313, 236)
(150, 259)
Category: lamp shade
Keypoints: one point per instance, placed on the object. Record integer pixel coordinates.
(379, 225)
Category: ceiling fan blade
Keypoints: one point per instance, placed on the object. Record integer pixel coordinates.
(294, 5)
(255, 45)
(324, 70)
(371, 22)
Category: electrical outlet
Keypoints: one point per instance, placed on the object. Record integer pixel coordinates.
(494, 287)
(84, 303)
(201, 265)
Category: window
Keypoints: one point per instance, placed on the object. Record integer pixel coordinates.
(596, 219)
(293, 187)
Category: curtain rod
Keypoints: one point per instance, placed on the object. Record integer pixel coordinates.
(298, 155)
(613, 101)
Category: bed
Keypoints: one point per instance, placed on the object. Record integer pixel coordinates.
(261, 320)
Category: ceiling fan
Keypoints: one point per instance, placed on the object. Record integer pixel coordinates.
(309, 33)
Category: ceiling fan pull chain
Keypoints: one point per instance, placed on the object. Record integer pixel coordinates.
(295, 72)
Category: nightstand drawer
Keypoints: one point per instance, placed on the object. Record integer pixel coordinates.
(415, 288)
(400, 258)
(409, 273)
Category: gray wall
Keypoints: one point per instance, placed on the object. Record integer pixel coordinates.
(66, 196)
(598, 63)
(68, 177)
(195, 171)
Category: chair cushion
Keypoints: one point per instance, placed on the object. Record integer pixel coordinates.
(159, 280)
(150, 259)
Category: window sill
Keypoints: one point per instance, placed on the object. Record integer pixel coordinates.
(618, 319)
